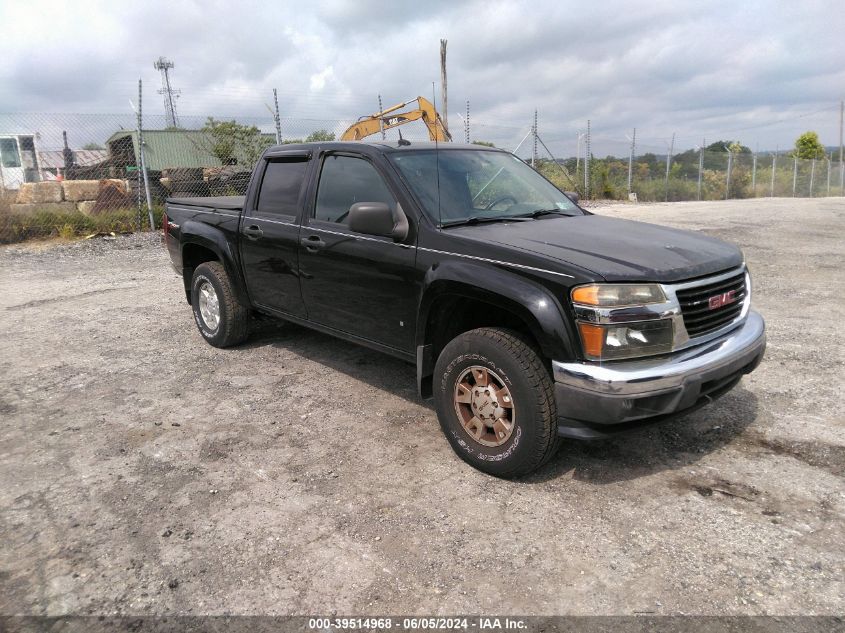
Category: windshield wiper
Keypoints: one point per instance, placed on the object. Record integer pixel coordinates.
(541, 212)
(475, 219)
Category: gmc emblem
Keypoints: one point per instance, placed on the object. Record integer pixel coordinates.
(717, 301)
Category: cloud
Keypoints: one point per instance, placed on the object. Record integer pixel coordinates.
(318, 81)
(749, 70)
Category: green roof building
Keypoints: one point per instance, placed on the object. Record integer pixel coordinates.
(168, 149)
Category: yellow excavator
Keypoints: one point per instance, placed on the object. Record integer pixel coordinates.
(389, 118)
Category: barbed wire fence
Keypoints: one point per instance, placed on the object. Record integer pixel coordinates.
(73, 175)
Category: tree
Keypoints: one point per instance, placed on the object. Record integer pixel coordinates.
(231, 142)
(319, 135)
(92, 146)
(723, 146)
(556, 173)
(809, 146)
(484, 143)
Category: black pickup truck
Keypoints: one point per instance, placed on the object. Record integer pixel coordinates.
(529, 318)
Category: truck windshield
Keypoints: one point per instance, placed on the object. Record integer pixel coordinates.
(479, 185)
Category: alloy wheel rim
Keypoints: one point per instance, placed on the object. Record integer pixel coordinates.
(209, 305)
(484, 406)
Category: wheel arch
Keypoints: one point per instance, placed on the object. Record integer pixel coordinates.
(450, 306)
(200, 244)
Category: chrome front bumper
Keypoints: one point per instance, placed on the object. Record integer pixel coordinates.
(599, 400)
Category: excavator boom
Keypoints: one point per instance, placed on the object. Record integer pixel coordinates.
(389, 118)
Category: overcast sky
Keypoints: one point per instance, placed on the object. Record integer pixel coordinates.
(761, 72)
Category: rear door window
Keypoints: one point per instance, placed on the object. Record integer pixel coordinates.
(281, 186)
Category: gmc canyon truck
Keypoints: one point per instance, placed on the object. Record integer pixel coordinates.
(529, 318)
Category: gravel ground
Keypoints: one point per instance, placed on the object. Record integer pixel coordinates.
(145, 472)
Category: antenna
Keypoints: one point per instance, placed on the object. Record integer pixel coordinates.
(164, 65)
(437, 161)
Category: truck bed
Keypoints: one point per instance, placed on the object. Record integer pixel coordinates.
(214, 202)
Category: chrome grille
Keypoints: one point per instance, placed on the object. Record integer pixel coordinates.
(699, 317)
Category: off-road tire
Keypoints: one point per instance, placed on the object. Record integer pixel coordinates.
(533, 439)
(233, 325)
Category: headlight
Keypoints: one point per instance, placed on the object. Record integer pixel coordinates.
(618, 321)
(615, 295)
(612, 342)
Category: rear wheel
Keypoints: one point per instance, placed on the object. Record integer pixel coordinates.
(495, 402)
(222, 320)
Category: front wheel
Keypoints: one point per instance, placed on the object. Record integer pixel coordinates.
(222, 320)
(495, 402)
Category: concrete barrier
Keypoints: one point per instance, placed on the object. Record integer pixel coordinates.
(86, 207)
(79, 190)
(40, 192)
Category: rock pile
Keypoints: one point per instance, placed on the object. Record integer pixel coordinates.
(90, 197)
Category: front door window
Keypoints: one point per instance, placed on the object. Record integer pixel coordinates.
(344, 181)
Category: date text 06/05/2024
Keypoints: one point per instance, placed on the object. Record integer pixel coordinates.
(416, 624)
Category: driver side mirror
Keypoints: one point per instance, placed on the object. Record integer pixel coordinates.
(377, 218)
(572, 195)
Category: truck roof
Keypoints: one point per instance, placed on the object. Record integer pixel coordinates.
(384, 146)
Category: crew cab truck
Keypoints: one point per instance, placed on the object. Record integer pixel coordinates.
(529, 319)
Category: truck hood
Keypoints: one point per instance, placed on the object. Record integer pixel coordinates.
(616, 249)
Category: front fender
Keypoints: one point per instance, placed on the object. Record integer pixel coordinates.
(534, 304)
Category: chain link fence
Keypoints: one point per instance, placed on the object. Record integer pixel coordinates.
(699, 175)
(77, 175)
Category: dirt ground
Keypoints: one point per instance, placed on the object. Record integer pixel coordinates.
(145, 472)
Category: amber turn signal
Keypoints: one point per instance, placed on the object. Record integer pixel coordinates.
(588, 295)
(592, 338)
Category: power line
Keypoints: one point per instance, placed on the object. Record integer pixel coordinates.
(777, 121)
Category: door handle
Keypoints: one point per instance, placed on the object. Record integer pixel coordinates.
(312, 243)
(253, 232)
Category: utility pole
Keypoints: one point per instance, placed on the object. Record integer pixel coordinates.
(700, 166)
(534, 154)
(380, 119)
(164, 65)
(812, 176)
(466, 123)
(774, 163)
(794, 175)
(841, 162)
(578, 136)
(829, 161)
(278, 118)
(669, 164)
(138, 156)
(728, 180)
(587, 162)
(754, 176)
(841, 178)
(142, 167)
(631, 160)
(443, 90)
